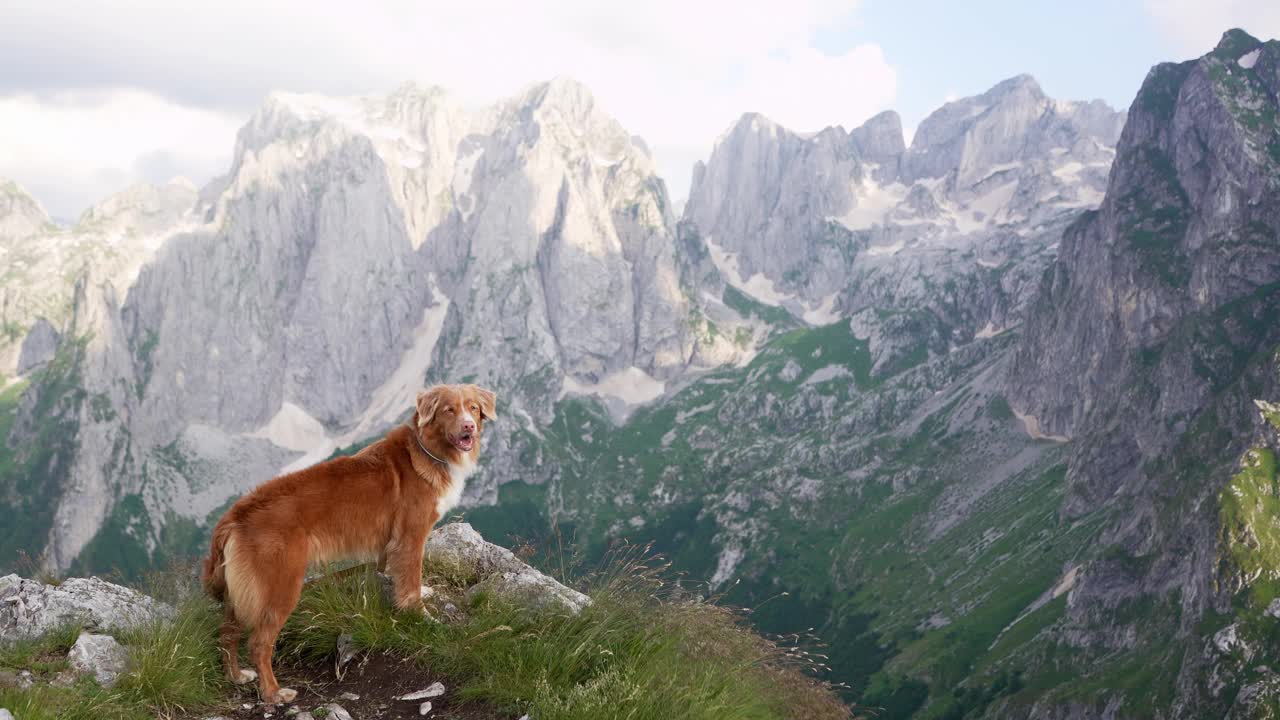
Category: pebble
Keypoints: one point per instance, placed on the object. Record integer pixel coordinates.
(436, 690)
(424, 708)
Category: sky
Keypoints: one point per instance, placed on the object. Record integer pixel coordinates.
(98, 96)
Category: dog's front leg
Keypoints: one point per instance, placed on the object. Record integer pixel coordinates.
(405, 564)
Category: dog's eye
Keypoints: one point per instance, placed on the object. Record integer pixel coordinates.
(449, 410)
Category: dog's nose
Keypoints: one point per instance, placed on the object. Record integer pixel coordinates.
(468, 426)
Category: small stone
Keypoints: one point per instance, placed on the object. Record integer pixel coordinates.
(346, 651)
(99, 655)
(247, 706)
(5, 714)
(292, 711)
(436, 690)
(26, 679)
(337, 712)
(1273, 610)
(349, 696)
(424, 708)
(304, 716)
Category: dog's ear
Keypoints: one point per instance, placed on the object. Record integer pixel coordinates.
(425, 410)
(488, 402)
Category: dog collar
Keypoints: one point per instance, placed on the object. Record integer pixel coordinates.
(422, 447)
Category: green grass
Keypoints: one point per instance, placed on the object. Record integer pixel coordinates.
(636, 652)
(1249, 504)
(174, 669)
(643, 649)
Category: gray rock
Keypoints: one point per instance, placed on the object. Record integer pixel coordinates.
(1273, 610)
(38, 346)
(436, 689)
(532, 589)
(5, 714)
(29, 608)
(101, 656)
(334, 711)
(496, 570)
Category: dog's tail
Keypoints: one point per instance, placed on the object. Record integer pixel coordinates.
(214, 574)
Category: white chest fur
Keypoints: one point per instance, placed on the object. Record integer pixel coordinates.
(458, 475)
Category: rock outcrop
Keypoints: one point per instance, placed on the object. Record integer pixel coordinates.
(498, 572)
(29, 608)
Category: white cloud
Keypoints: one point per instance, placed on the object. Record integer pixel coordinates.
(73, 149)
(672, 71)
(1195, 25)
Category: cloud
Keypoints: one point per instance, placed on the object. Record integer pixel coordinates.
(672, 71)
(73, 149)
(1195, 25)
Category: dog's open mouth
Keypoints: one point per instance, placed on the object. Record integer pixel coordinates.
(464, 441)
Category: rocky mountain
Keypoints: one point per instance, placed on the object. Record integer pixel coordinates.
(354, 244)
(835, 223)
(1072, 518)
(993, 414)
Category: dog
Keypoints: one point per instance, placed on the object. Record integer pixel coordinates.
(380, 503)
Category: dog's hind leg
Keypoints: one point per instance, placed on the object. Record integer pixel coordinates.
(281, 592)
(229, 642)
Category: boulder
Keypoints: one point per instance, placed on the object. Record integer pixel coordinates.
(29, 608)
(496, 570)
(100, 656)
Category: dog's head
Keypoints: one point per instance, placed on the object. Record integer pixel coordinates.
(450, 418)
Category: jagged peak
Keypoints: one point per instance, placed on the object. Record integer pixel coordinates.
(1018, 83)
(884, 118)
(563, 92)
(143, 204)
(20, 213)
(1236, 42)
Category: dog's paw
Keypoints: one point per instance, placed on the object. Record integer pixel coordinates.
(245, 676)
(284, 696)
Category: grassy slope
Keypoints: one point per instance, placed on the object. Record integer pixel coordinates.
(637, 652)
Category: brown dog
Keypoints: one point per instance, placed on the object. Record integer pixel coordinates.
(380, 503)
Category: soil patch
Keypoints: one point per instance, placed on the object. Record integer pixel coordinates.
(377, 678)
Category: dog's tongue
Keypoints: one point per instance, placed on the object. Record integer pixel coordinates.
(464, 443)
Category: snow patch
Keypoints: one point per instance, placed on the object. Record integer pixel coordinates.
(993, 202)
(988, 263)
(823, 313)
(632, 386)
(292, 428)
(878, 250)
(830, 372)
(871, 202)
(1070, 172)
(1249, 59)
(757, 286)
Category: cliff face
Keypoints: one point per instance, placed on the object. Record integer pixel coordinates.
(1154, 332)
